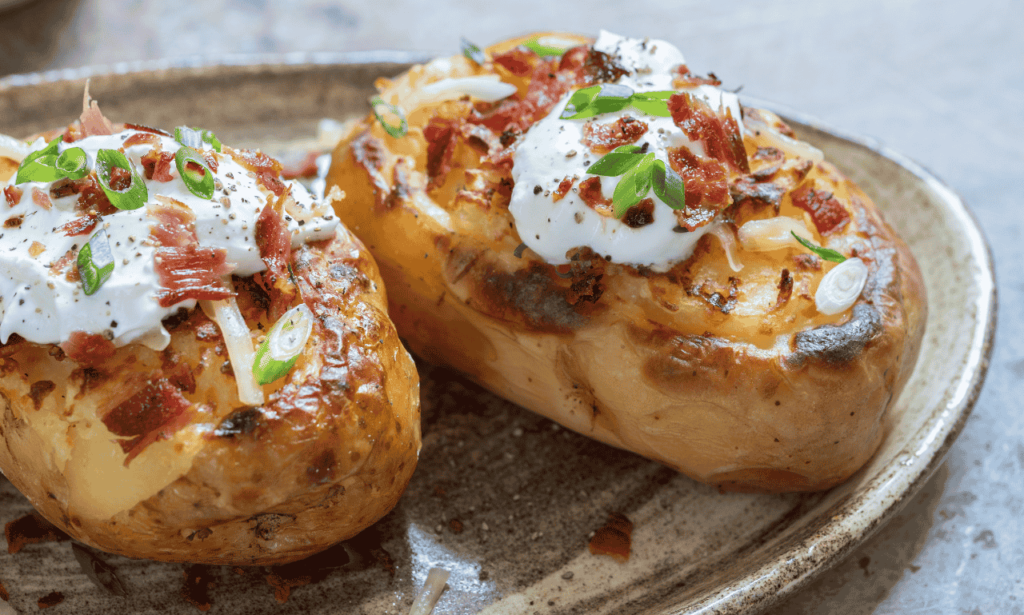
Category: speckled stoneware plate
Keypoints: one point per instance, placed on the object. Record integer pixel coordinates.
(502, 498)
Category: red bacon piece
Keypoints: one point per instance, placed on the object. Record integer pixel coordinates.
(156, 165)
(267, 169)
(603, 138)
(706, 185)
(563, 189)
(720, 135)
(826, 211)
(92, 198)
(81, 225)
(547, 85)
(92, 120)
(13, 195)
(174, 227)
(442, 137)
(140, 127)
(590, 192)
(140, 138)
(88, 348)
(191, 272)
(686, 79)
(155, 413)
(275, 245)
(519, 61)
(41, 199)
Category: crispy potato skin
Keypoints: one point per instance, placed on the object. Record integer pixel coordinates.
(328, 454)
(758, 395)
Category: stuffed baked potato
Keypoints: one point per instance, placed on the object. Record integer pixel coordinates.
(687, 308)
(217, 380)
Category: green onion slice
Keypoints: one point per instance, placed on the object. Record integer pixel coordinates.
(668, 185)
(195, 137)
(617, 161)
(132, 197)
(194, 172)
(73, 163)
(535, 45)
(41, 166)
(652, 103)
(473, 52)
(633, 186)
(391, 118)
(95, 262)
(824, 253)
(612, 97)
(284, 343)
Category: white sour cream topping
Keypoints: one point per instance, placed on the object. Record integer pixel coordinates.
(552, 150)
(44, 307)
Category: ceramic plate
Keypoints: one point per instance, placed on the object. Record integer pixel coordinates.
(502, 498)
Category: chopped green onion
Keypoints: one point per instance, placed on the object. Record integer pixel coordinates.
(473, 52)
(535, 45)
(132, 197)
(95, 262)
(195, 137)
(73, 163)
(612, 97)
(381, 108)
(825, 253)
(41, 166)
(284, 343)
(617, 162)
(199, 181)
(633, 186)
(652, 103)
(668, 185)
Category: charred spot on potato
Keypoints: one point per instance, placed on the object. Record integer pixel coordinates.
(29, 530)
(89, 377)
(349, 277)
(807, 262)
(369, 153)
(240, 422)
(176, 320)
(321, 470)
(836, 345)
(785, 290)
(748, 190)
(38, 392)
(533, 296)
(265, 525)
(712, 294)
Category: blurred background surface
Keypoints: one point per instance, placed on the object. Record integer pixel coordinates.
(941, 81)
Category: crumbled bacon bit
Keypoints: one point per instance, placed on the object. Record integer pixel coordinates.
(156, 165)
(785, 290)
(58, 266)
(29, 530)
(807, 262)
(88, 348)
(599, 67)
(590, 192)
(267, 169)
(41, 199)
(141, 128)
(174, 223)
(603, 138)
(120, 179)
(13, 195)
(304, 167)
(705, 185)
(156, 412)
(36, 249)
(719, 134)
(519, 61)
(92, 121)
(91, 197)
(441, 137)
(14, 221)
(191, 272)
(747, 190)
(563, 189)
(771, 155)
(140, 138)
(81, 225)
(640, 214)
(686, 79)
(517, 113)
(614, 538)
(826, 211)
(275, 247)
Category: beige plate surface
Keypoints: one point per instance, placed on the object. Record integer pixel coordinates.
(504, 499)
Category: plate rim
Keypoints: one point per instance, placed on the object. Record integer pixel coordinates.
(795, 567)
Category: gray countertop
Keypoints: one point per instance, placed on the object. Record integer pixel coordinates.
(940, 81)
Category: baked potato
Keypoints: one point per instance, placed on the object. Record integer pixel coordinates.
(688, 309)
(215, 380)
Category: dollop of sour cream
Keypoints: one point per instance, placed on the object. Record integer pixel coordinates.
(41, 305)
(552, 151)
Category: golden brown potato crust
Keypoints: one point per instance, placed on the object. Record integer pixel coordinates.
(732, 378)
(328, 454)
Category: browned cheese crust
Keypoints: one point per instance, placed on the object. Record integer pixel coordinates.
(686, 367)
(328, 454)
